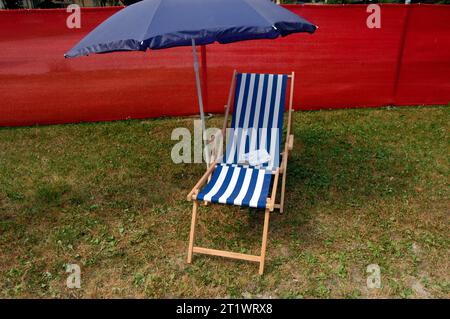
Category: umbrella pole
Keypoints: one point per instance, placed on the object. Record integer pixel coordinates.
(200, 101)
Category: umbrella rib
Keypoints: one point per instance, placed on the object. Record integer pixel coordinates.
(260, 14)
(151, 21)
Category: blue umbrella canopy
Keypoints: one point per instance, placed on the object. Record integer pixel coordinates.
(160, 24)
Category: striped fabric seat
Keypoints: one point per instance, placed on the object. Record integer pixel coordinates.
(236, 185)
(256, 125)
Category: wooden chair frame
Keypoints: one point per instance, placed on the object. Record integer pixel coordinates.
(270, 206)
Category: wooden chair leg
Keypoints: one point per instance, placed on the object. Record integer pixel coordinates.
(192, 234)
(264, 241)
(283, 189)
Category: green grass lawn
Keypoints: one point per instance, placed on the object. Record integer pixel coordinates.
(367, 186)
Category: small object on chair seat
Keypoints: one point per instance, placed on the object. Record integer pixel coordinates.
(236, 185)
(255, 158)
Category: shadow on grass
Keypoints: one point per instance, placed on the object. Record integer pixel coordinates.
(327, 169)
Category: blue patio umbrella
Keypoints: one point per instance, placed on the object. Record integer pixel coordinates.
(161, 24)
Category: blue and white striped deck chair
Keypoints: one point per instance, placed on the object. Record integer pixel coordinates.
(257, 124)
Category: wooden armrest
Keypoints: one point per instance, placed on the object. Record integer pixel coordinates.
(202, 180)
(288, 147)
(290, 142)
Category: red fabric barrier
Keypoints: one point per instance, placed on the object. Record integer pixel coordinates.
(344, 64)
(424, 73)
